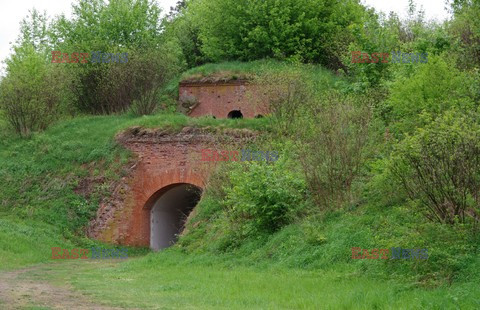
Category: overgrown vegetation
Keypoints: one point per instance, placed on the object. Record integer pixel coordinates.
(372, 155)
(43, 178)
(438, 168)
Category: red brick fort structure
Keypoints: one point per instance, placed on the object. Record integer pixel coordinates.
(150, 206)
(164, 182)
(222, 99)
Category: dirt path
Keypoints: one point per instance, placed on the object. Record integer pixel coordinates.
(30, 288)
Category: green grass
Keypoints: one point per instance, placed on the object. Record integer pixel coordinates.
(235, 70)
(304, 265)
(38, 177)
(27, 242)
(323, 241)
(171, 280)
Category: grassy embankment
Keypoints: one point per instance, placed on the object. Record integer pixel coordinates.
(39, 206)
(306, 264)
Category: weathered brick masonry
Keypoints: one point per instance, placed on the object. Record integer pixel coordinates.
(221, 98)
(162, 160)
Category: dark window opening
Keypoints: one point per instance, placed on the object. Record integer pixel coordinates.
(235, 114)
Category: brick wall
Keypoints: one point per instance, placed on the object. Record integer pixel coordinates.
(161, 161)
(219, 99)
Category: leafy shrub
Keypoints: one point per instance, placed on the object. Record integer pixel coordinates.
(290, 88)
(263, 198)
(371, 37)
(331, 131)
(435, 87)
(30, 94)
(332, 139)
(465, 30)
(146, 104)
(439, 168)
(132, 27)
(113, 87)
(285, 93)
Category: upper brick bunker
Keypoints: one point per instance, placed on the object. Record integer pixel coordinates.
(151, 204)
(222, 98)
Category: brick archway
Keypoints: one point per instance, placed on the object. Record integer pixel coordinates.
(150, 187)
(162, 160)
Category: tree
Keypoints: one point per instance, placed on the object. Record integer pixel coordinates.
(119, 26)
(30, 94)
(291, 29)
(434, 87)
(465, 28)
(180, 27)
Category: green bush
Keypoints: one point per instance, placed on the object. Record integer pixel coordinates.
(334, 139)
(31, 95)
(439, 168)
(465, 32)
(132, 27)
(113, 87)
(434, 87)
(307, 30)
(263, 198)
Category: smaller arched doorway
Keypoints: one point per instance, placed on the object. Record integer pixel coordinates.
(170, 212)
(235, 114)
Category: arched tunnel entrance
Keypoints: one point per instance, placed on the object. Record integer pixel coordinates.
(148, 207)
(170, 212)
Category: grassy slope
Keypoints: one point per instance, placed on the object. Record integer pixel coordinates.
(38, 175)
(236, 69)
(24, 242)
(39, 208)
(291, 269)
(298, 275)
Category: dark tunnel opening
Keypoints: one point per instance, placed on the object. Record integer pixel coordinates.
(169, 214)
(235, 114)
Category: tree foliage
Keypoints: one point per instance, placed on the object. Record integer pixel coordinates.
(290, 29)
(262, 198)
(30, 95)
(465, 31)
(433, 88)
(121, 26)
